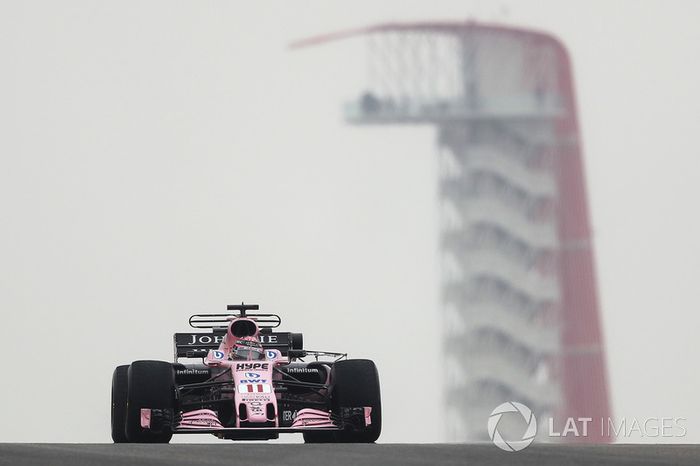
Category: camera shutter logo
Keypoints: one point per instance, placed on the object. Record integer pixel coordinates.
(528, 436)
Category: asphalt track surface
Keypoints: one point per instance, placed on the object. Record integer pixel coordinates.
(343, 455)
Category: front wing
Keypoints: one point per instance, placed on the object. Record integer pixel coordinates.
(206, 421)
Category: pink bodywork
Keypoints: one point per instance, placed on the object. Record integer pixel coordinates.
(313, 418)
(368, 415)
(253, 382)
(146, 418)
(200, 419)
(253, 389)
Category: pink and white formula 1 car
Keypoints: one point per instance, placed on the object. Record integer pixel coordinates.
(251, 384)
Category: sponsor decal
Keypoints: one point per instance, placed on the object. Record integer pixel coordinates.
(302, 370)
(247, 366)
(254, 388)
(203, 339)
(253, 381)
(289, 415)
(271, 339)
(218, 355)
(197, 339)
(252, 375)
(247, 343)
(192, 372)
(271, 354)
(255, 406)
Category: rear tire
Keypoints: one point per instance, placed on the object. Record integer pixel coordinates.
(120, 387)
(354, 384)
(151, 385)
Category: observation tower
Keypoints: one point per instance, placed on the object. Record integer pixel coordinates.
(519, 299)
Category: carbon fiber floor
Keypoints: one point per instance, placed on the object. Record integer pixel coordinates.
(339, 454)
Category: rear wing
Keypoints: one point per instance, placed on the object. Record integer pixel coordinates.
(197, 345)
(218, 321)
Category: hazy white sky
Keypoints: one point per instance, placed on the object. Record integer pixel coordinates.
(163, 158)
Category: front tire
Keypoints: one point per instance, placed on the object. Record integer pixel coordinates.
(354, 384)
(151, 385)
(319, 437)
(120, 388)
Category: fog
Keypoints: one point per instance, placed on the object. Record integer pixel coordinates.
(159, 159)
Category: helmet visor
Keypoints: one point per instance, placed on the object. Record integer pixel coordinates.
(248, 353)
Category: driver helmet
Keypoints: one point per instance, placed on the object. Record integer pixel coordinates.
(248, 349)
